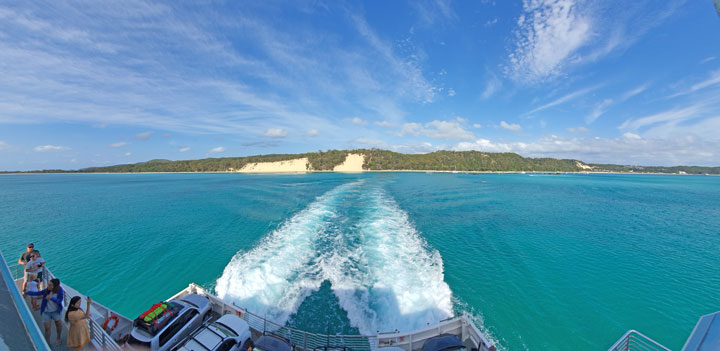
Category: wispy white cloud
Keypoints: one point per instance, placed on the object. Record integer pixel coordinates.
(184, 149)
(118, 144)
(554, 35)
(634, 92)
(275, 133)
(673, 117)
(384, 124)
(630, 148)
(511, 127)
(548, 34)
(598, 111)
(449, 130)
(311, 133)
(712, 80)
(46, 148)
(143, 135)
(577, 130)
(216, 150)
(707, 59)
(562, 99)
(358, 121)
(128, 153)
(4, 146)
(492, 86)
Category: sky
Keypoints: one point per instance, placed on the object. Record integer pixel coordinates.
(90, 83)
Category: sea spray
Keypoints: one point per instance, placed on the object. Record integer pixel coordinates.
(391, 280)
(273, 278)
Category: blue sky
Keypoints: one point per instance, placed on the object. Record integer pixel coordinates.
(97, 83)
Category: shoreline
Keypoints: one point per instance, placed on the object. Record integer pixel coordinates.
(367, 171)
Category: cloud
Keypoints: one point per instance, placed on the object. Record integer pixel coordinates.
(712, 80)
(492, 86)
(562, 99)
(450, 130)
(630, 148)
(371, 142)
(384, 124)
(118, 144)
(358, 121)
(477, 125)
(548, 35)
(707, 59)
(144, 135)
(217, 150)
(275, 133)
(263, 143)
(578, 130)
(184, 149)
(128, 154)
(672, 117)
(46, 148)
(491, 22)
(451, 92)
(635, 91)
(4, 146)
(431, 12)
(512, 127)
(311, 133)
(598, 111)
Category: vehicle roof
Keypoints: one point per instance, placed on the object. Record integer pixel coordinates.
(195, 300)
(272, 343)
(237, 324)
(144, 336)
(442, 342)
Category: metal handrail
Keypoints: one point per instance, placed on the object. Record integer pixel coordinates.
(635, 340)
(97, 333)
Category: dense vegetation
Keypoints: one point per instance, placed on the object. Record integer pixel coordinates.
(383, 160)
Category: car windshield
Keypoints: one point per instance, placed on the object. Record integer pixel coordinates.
(224, 329)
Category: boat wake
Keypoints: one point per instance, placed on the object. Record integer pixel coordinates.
(356, 237)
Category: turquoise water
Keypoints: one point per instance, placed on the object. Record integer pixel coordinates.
(565, 262)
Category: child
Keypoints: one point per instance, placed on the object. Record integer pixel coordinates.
(32, 286)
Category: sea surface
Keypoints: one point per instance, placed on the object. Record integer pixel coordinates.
(540, 262)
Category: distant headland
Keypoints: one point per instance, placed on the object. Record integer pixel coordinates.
(361, 160)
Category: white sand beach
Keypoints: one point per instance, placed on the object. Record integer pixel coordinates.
(289, 166)
(353, 163)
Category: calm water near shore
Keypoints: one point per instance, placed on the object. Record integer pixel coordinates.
(562, 262)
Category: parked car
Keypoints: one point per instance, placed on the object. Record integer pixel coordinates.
(444, 342)
(164, 325)
(269, 342)
(229, 333)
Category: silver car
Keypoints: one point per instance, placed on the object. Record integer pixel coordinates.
(229, 333)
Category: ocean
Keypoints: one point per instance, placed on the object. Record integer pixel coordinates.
(540, 262)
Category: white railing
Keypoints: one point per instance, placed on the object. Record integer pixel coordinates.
(634, 340)
(460, 326)
(98, 336)
(299, 338)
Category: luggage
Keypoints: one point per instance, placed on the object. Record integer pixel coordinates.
(157, 317)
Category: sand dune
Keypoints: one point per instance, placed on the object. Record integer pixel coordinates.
(353, 163)
(289, 166)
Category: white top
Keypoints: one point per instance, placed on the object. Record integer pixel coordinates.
(34, 265)
(32, 286)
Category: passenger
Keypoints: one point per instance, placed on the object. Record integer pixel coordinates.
(79, 333)
(32, 285)
(24, 257)
(34, 266)
(51, 307)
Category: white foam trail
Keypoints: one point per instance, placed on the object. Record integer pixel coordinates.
(275, 277)
(391, 279)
